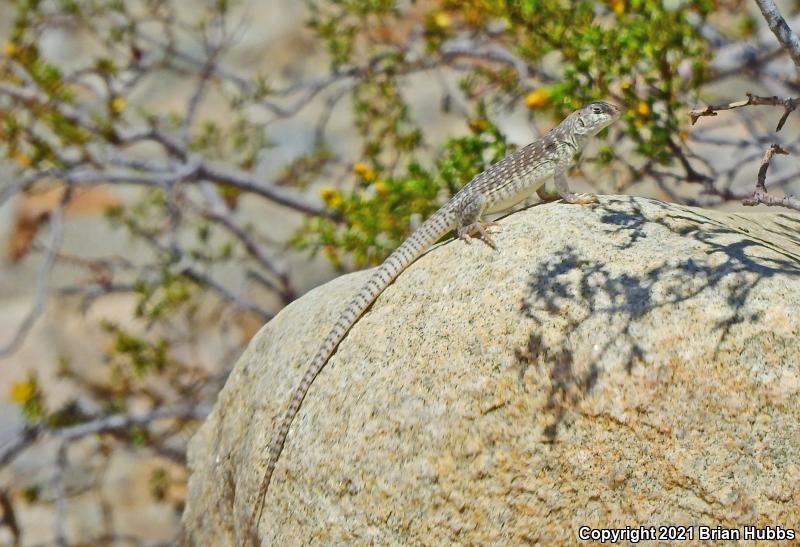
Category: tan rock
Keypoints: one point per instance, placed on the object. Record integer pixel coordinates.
(634, 363)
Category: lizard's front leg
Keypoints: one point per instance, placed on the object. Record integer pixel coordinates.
(469, 220)
(560, 177)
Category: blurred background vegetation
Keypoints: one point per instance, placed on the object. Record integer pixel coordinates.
(174, 172)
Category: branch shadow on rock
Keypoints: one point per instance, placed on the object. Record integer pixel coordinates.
(607, 302)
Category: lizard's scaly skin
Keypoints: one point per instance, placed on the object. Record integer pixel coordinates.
(502, 185)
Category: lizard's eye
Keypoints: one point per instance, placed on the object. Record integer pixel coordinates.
(596, 109)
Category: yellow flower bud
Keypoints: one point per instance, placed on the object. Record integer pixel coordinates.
(537, 98)
(118, 104)
(381, 188)
(478, 124)
(331, 196)
(364, 171)
(23, 159)
(10, 48)
(21, 392)
(618, 6)
(643, 108)
(442, 19)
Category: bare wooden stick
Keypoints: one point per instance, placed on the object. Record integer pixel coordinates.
(760, 195)
(789, 105)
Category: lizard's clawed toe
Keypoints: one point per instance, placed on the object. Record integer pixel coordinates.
(580, 199)
(478, 230)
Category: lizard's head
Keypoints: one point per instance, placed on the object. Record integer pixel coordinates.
(594, 117)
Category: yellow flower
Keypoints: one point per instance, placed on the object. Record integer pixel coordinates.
(381, 188)
(10, 48)
(327, 191)
(364, 171)
(331, 196)
(618, 6)
(335, 201)
(441, 19)
(118, 104)
(537, 98)
(23, 159)
(478, 124)
(21, 392)
(643, 108)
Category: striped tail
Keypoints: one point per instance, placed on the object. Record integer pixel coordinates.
(412, 248)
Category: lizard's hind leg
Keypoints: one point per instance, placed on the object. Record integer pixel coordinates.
(469, 221)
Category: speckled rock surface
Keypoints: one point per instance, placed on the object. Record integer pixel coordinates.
(631, 363)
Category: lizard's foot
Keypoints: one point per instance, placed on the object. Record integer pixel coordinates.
(579, 199)
(478, 230)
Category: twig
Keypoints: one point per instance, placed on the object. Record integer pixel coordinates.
(193, 174)
(102, 424)
(42, 281)
(212, 54)
(122, 421)
(61, 494)
(192, 170)
(204, 280)
(23, 183)
(692, 175)
(777, 24)
(750, 55)
(760, 195)
(183, 264)
(19, 443)
(9, 519)
(27, 95)
(789, 105)
(255, 250)
(247, 182)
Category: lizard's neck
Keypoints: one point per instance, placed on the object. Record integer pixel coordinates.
(573, 137)
(567, 135)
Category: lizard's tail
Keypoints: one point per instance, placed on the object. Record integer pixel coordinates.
(412, 248)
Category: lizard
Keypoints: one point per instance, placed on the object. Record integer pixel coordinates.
(502, 185)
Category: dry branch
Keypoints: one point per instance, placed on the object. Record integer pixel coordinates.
(760, 195)
(789, 105)
(777, 24)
